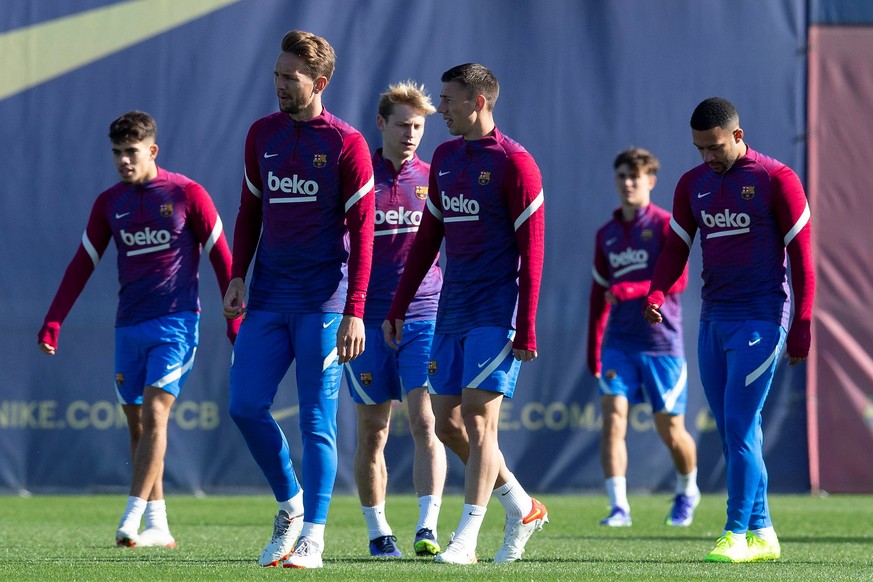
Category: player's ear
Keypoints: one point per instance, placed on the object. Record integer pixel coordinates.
(738, 134)
(153, 150)
(480, 102)
(653, 179)
(320, 84)
(380, 122)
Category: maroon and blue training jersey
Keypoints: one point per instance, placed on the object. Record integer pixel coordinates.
(486, 199)
(158, 228)
(307, 208)
(625, 253)
(747, 217)
(400, 200)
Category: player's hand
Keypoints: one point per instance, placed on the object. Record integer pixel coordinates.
(610, 297)
(234, 298)
(350, 339)
(524, 355)
(653, 315)
(393, 333)
(47, 349)
(794, 360)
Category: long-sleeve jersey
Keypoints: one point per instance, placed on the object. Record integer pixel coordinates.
(748, 217)
(400, 200)
(486, 198)
(307, 208)
(625, 253)
(158, 228)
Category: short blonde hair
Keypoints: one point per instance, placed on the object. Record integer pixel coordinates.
(405, 93)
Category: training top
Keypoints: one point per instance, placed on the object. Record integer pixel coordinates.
(400, 200)
(747, 218)
(307, 208)
(625, 253)
(486, 199)
(158, 228)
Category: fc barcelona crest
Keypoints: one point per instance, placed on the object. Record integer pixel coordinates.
(119, 379)
(646, 234)
(319, 160)
(366, 378)
(431, 367)
(166, 210)
(748, 192)
(484, 178)
(421, 192)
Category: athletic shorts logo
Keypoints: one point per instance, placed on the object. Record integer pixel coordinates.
(166, 210)
(431, 367)
(366, 378)
(119, 380)
(174, 366)
(748, 192)
(482, 364)
(484, 178)
(319, 160)
(754, 341)
(327, 324)
(421, 192)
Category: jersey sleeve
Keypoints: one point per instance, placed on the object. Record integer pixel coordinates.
(95, 239)
(208, 228)
(793, 216)
(356, 169)
(525, 197)
(422, 253)
(672, 264)
(247, 229)
(598, 309)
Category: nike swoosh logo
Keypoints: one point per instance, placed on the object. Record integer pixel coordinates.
(610, 241)
(268, 156)
(753, 342)
(475, 514)
(176, 365)
(534, 515)
(328, 323)
(703, 194)
(483, 363)
(441, 173)
(121, 215)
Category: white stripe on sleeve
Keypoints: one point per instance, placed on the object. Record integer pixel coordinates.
(534, 206)
(363, 191)
(89, 248)
(680, 231)
(252, 188)
(213, 236)
(798, 226)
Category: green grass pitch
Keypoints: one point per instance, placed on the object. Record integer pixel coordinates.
(220, 538)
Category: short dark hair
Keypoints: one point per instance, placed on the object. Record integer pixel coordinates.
(317, 54)
(639, 159)
(476, 79)
(714, 112)
(133, 126)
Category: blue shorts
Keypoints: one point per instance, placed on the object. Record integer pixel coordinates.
(662, 381)
(381, 374)
(158, 352)
(481, 358)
